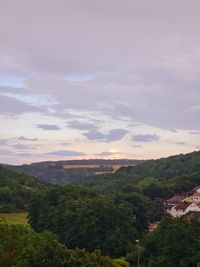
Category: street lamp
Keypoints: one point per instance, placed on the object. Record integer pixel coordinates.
(138, 254)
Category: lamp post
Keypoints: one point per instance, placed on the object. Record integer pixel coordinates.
(138, 254)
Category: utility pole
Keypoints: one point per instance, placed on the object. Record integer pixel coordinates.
(138, 254)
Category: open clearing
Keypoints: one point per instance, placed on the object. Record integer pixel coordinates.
(15, 217)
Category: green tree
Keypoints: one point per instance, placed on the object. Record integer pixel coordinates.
(20, 246)
(174, 243)
(84, 219)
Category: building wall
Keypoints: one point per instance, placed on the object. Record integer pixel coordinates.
(196, 199)
(178, 213)
(191, 199)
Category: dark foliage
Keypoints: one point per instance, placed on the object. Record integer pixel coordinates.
(158, 178)
(16, 190)
(53, 171)
(174, 243)
(20, 246)
(83, 219)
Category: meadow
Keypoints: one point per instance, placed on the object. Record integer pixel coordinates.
(15, 217)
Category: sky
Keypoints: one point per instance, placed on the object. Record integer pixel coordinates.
(98, 79)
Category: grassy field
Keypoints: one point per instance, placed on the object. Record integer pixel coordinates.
(15, 217)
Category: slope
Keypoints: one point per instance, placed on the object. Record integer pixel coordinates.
(16, 190)
(161, 170)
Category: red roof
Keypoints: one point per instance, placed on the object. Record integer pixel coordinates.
(175, 199)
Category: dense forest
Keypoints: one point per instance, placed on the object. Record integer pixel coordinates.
(20, 246)
(81, 218)
(173, 243)
(167, 167)
(16, 190)
(97, 223)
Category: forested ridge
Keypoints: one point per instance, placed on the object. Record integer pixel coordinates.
(160, 170)
(54, 171)
(166, 167)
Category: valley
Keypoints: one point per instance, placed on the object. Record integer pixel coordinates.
(98, 219)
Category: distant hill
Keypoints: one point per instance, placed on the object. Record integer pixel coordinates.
(16, 190)
(161, 169)
(71, 171)
(167, 167)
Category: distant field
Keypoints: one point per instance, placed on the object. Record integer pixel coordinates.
(15, 217)
(84, 166)
(97, 166)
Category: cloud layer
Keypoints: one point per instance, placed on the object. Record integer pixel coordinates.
(112, 135)
(145, 137)
(48, 127)
(65, 153)
(84, 72)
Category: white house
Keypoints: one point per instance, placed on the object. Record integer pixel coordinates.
(179, 205)
(172, 202)
(182, 208)
(195, 194)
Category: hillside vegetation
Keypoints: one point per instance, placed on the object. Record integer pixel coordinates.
(21, 246)
(16, 190)
(82, 218)
(118, 216)
(60, 172)
(175, 243)
(108, 215)
(166, 167)
(153, 171)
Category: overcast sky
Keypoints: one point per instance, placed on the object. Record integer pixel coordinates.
(98, 79)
